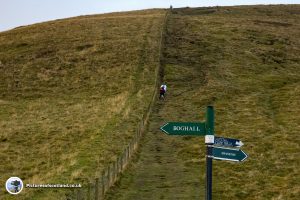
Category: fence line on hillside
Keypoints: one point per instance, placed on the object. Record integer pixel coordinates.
(97, 189)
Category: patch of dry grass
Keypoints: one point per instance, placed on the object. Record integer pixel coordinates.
(71, 94)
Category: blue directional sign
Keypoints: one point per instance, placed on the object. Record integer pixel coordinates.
(228, 142)
(221, 153)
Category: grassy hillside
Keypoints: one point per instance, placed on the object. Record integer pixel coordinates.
(244, 61)
(71, 94)
(250, 60)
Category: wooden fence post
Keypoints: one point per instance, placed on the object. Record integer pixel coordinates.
(115, 173)
(118, 166)
(125, 159)
(127, 155)
(103, 186)
(97, 189)
(105, 181)
(129, 150)
(89, 191)
(111, 174)
(108, 176)
(121, 163)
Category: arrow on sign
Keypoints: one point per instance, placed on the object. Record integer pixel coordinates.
(228, 142)
(236, 155)
(184, 128)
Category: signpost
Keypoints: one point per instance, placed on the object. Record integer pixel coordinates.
(215, 146)
(184, 128)
(209, 141)
(221, 153)
(227, 142)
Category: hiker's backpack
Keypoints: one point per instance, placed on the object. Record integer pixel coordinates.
(162, 89)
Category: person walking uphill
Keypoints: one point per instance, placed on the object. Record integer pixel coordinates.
(162, 91)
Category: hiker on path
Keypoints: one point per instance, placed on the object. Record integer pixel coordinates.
(162, 91)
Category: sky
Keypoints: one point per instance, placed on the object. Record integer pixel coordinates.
(14, 13)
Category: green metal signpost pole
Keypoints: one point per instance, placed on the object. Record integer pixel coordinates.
(214, 149)
(209, 141)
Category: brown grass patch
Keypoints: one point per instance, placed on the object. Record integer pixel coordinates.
(65, 87)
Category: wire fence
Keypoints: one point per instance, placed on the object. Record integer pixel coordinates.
(97, 189)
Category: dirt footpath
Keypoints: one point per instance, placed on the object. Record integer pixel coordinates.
(170, 167)
(158, 173)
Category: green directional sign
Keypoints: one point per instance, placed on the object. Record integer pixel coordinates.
(221, 153)
(184, 128)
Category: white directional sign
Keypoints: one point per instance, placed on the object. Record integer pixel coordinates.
(228, 142)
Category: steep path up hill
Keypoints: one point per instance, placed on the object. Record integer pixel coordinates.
(245, 61)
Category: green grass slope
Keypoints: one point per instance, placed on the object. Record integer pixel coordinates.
(244, 61)
(250, 60)
(71, 94)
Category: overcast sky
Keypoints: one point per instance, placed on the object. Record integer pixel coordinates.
(15, 13)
